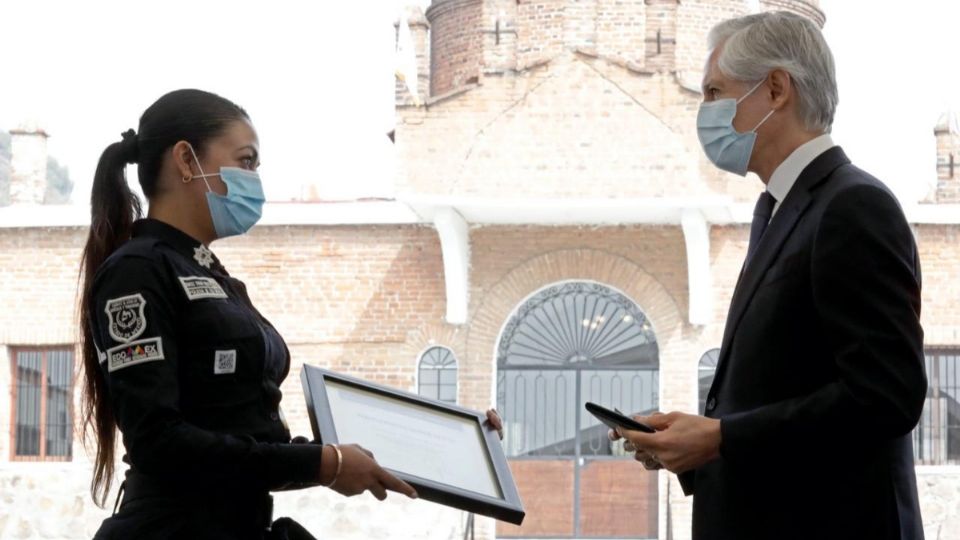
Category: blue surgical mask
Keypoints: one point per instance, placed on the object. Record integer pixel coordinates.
(239, 210)
(728, 149)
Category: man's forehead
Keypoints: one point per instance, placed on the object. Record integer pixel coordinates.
(710, 65)
(711, 75)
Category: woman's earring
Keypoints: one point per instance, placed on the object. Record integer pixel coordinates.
(187, 179)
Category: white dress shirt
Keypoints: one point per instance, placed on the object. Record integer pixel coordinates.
(785, 176)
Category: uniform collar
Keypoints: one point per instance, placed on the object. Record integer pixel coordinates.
(786, 174)
(182, 242)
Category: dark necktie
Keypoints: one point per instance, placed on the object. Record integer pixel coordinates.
(761, 217)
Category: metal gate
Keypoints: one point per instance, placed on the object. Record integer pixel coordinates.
(568, 344)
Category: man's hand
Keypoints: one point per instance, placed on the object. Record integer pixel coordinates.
(682, 441)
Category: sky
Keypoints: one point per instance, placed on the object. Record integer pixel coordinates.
(318, 80)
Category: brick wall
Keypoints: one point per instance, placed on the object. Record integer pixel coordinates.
(368, 300)
(621, 29)
(694, 21)
(39, 271)
(455, 44)
(577, 127)
(940, 262)
(661, 35)
(540, 31)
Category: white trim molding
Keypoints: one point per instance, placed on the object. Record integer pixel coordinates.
(454, 236)
(696, 236)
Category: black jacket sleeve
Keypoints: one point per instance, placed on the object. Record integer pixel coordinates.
(134, 328)
(865, 281)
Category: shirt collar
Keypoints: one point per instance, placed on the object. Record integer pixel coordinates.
(182, 242)
(783, 178)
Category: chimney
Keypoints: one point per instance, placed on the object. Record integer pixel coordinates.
(28, 165)
(947, 135)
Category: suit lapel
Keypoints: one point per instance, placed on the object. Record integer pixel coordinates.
(779, 229)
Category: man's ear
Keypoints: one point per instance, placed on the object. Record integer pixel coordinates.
(780, 88)
(184, 161)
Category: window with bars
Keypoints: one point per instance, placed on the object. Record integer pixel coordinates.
(936, 439)
(42, 422)
(706, 372)
(438, 374)
(567, 344)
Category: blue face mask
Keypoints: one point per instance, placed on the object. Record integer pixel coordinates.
(728, 149)
(240, 209)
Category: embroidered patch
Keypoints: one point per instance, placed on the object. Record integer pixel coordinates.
(203, 256)
(127, 320)
(225, 362)
(137, 352)
(198, 287)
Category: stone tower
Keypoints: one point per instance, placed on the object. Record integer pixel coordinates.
(947, 134)
(471, 39)
(533, 99)
(807, 8)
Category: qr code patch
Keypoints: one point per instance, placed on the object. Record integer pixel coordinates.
(225, 362)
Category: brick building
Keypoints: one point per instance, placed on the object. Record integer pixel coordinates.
(555, 236)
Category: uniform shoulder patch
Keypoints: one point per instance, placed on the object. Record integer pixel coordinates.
(135, 352)
(127, 319)
(197, 287)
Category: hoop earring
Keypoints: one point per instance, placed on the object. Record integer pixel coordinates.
(186, 179)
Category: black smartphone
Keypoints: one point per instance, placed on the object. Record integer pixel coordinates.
(614, 419)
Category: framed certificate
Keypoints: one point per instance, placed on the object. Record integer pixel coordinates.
(448, 453)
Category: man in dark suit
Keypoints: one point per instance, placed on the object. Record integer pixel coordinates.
(820, 380)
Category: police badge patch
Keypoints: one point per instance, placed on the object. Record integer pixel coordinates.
(127, 320)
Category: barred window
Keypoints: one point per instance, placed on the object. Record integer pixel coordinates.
(705, 374)
(438, 374)
(936, 439)
(42, 404)
(570, 343)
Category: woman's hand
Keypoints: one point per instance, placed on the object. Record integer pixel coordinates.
(494, 418)
(360, 472)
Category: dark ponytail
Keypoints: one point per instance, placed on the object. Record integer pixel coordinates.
(183, 115)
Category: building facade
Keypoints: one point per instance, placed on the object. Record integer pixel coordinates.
(555, 237)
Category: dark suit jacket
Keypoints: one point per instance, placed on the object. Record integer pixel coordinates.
(820, 379)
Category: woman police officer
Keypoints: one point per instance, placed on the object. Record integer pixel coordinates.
(175, 354)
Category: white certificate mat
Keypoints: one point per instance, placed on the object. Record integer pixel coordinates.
(414, 440)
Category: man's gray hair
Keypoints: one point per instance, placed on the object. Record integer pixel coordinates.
(755, 45)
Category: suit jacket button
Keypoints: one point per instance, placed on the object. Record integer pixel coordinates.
(711, 404)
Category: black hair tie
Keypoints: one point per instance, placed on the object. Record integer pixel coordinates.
(129, 146)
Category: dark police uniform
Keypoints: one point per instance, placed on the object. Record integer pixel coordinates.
(193, 373)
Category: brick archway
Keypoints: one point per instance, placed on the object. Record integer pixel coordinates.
(494, 309)
(497, 305)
